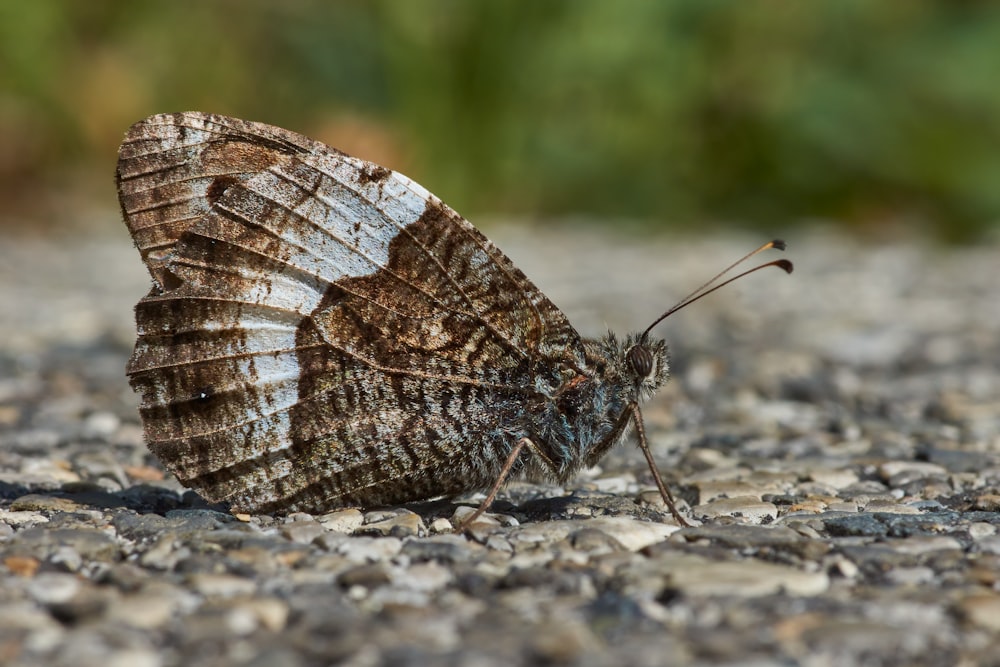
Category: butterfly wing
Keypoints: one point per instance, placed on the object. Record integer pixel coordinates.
(321, 331)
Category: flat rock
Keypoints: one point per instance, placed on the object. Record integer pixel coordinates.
(747, 508)
(692, 575)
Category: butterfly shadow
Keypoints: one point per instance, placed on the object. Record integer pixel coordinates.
(75, 496)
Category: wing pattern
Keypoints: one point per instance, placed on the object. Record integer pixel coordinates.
(321, 331)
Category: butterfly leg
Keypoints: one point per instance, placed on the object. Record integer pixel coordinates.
(501, 478)
(668, 498)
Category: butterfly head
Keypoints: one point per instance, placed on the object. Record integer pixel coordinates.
(631, 370)
(645, 363)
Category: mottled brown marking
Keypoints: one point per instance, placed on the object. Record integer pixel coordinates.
(218, 188)
(373, 173)
(242, 155)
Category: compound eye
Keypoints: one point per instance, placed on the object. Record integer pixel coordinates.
(640, 359)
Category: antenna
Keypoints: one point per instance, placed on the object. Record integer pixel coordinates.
(707, 288)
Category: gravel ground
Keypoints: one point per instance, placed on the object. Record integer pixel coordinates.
(835, 436)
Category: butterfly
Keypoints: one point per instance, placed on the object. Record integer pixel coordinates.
(323, 332)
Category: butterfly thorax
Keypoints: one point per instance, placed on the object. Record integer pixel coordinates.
(578, 419)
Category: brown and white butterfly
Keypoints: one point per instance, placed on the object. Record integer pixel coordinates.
(323, 332)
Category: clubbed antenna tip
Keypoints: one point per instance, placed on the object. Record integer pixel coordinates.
(713, 284)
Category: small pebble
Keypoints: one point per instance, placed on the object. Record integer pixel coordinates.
(344, 521)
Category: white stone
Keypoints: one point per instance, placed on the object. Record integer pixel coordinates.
(344, 521)
(694, 575)
(749, 508)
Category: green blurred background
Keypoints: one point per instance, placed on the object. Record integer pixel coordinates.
(880, 115)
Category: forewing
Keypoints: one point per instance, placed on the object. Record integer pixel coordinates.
(321, 331)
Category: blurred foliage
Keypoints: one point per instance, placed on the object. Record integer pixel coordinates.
(755, 111)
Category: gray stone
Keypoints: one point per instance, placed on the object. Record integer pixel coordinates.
(692, 575)
(425, 577)
(448, 548)
(43, 503)
(52, 587)
(369, 576)
(344, 521)
(302, 532)
(748, 508)
(221, 585)
(89, 543)
(989, 544)
(402, 524)
(22, 518)
(370, 549)
(594, 540)
(152, 607)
